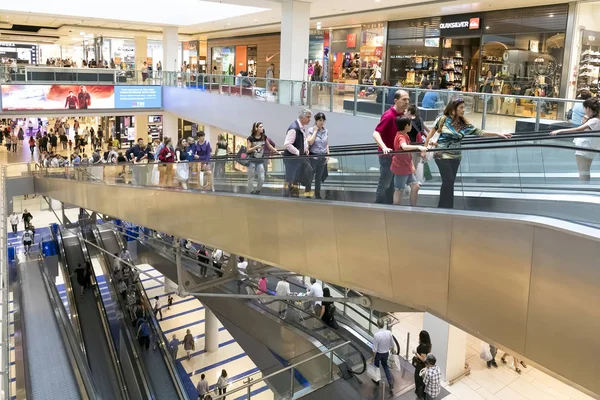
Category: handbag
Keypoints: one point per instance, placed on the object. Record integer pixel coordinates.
(485, 353)
(242, 156)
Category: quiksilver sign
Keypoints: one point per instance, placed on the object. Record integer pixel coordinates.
(454, 25)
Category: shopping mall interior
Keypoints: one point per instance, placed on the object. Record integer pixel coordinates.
(261, 199)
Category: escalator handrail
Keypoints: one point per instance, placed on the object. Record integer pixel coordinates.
(158, 332)
(104, 320)
(142, 373)
(63, 265)
(77, 359)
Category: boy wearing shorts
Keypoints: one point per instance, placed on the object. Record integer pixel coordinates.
(402, 164)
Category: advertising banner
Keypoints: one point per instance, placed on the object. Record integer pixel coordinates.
(79, 97)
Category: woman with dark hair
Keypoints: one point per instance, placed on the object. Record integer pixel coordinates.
(418, 361)
(220, 152)
(256, 149)
(328, 311)
(452, 127)
(318, 145)
(167, 157)
(590, 122)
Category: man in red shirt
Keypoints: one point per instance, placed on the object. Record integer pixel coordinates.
(384, 136)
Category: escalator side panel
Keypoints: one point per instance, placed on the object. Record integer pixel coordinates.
(43, 340)
(96, 345)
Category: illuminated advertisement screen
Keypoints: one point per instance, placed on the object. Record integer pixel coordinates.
(79, 97)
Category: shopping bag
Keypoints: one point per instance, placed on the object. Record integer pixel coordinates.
(373, 372)
(155, 175)
(394, 362)
(183, 172)
(420, 173)
(427, 172)
(485, 353)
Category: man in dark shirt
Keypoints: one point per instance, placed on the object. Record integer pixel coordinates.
(53, 142)
(137, 155)
(44, 142)
(71, 101)
(27, 217)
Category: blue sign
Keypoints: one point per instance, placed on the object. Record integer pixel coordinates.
(140, 96)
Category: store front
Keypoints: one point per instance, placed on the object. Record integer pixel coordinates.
(356, 54)
(517, 52)
(20, 52)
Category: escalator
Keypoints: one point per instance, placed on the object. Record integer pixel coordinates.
(157, 365)
(45, 335)
(478, 267)
(101, 354)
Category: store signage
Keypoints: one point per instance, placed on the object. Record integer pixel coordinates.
(460, 24)
(351, 40)
(79, 97)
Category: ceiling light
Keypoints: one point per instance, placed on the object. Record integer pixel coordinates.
(377, 1)
(229, 23)
(487, 27)
(551, 15)
(318, 25)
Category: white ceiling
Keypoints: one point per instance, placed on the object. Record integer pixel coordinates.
(330, 13)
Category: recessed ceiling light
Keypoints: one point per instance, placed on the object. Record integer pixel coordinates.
(551, 15)
(487, 27)
(255, 20)
(229, 23)
(377, 1)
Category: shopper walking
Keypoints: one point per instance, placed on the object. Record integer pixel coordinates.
(14, 221)
(591, 122)
(27, 217)
(188, 343)
(383, 343)
(296, 145)
(282, 289)
(328, 311)
(80, 272)
(432, 378)
(384, 136)
(516, 362)
(157, 307)
(318, 142)
(32, 146)
(143, 333)
(418, 361)
(222, 383)
(27, 240)
(453, 127)
(256, 143)
(174, 346)
(202, 387)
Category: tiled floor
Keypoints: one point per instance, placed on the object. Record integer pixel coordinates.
(501, 383)
(188, 313)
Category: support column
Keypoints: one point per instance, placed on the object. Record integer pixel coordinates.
(141, 127)
(170, 61)
(211, 325)
(449, 346)
(141, 55)
(295, 31)
(170, 128)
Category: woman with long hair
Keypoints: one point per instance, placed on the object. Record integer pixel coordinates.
(452, 127)
(167, 157)
(590, 122)
(418, 361)
(220, 153)
(257, 141)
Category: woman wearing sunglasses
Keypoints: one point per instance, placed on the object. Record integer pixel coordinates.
(452, 128)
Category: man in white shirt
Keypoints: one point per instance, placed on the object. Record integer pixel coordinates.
(383, 343)
(282, 289)
(242, 265)
(217, 257)
(157, 307)
(125, 254)
(202, 388)
(315, 290)
(14, 221)
(27, 240)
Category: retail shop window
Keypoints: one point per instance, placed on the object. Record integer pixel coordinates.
(413, 60)
(458, 66)
(521, 65)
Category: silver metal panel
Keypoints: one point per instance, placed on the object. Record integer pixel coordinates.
(475, 270)
(419, 253)
(489, 278)
(564, 306)
(362, 248)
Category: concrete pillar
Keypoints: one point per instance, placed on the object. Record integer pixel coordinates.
(170, 128)
(141, 127)
(170, 61)
(141, 56)
(211, 334)
(449, 346)
(295, 31)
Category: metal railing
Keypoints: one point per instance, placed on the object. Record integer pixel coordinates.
(5, 346)
(247, 388)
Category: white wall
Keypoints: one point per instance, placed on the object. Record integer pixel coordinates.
(237, 114)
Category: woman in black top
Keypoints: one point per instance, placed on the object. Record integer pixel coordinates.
(418, 362)
(328, 311)
(220, 152)
(257, 142)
